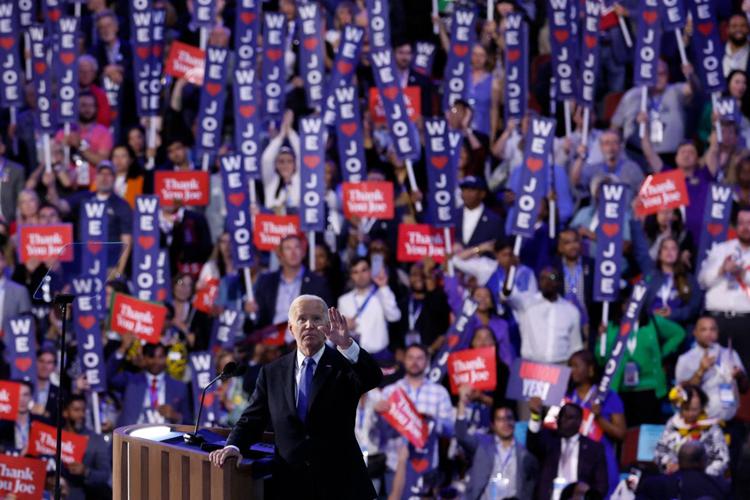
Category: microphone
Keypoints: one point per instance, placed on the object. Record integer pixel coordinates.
(230, 370)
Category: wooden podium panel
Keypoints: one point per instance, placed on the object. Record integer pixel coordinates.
(148, 469)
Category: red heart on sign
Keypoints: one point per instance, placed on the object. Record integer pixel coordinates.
(142, 52)
(273, 54)
(420, 464)
(513, 55)
(311, 161)
(310, 43)
(156, 51)
(650, 16)
(94, 246)
(6, 42)
(213, 88)
(86, 321)
(590, 41)
(146, 241)
(390, 92)
(23, 364)
(706, 28)
(40, 67)
(247, 17)
(349, 128)
(67, 57)
(161, 294)
(247, 110)
(534, 164)
(452, 340)
(460, 50)
(439, 161)
(561, 35)
(610, 229)
(236, 199)
(714, 229)
(625, 329)
(344, 67)
(54, 15)
(208, 400)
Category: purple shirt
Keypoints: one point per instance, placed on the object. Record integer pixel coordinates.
(697, 187)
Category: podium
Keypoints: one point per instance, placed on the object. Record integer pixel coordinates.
(151, 461)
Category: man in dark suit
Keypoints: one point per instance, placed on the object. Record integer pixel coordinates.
(475, 223)
(403, 55)
(689, 482)
(309, 397)
(89, 478)
(46, 394)
(150, 397)
(565, 455)
(496, 456)
(274, 292)
(12, 178)
(14, 297)
(14, 435)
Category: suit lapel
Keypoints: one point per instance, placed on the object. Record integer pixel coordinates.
(289, 382)
(322, 373)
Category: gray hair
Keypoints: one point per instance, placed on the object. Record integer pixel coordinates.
(303, 298)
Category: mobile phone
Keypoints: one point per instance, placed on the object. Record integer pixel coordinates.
(634, 477)
(377, 262)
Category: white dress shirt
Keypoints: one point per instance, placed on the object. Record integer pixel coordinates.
(567, 467)
(372, 322)
(735, 59)
(161, 396)
(470, 221)
(723, 292)
(550, 331)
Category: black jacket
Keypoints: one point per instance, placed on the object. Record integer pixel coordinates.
(267, 289)
(319, 458)
(685, 485)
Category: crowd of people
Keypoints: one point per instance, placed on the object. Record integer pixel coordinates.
(683, 367)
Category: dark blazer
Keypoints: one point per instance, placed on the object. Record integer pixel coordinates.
(11, 184)
(489, 227)
(686, 485)
(98, 462)
(433, 320)
(482, 448)
(594, 309)
(8, 432)
(592, 464)
(133, 387)
(50, 409)
(267, 290)
(319, 458)
(426, 89)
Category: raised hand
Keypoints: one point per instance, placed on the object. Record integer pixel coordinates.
(339, 332)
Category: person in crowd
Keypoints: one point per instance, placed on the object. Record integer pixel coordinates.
(429, 398)
(604, 418)
(12, 181)
(724, 277)
(690, 423)
(14, 298)
(275, 291)
(578, 277)
(565, 456)
(129, 173)
(486, 316)
(90, 477)
(151, 396)
(737, 48)
(28, 204)
(46, 393)
(499, 464)
(717, 370)
(550, 325)
(186, 233)
(14, 435)
(475, 223)
(616, 164)
(689, 481)
(403, 56)
(640, 380)
(88, 69)
(326, 413)
(280, 168)
(369, 306)
(484, 94)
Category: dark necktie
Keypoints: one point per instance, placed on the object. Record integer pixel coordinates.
(305, 384)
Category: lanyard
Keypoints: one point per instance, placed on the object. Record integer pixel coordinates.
(665, 290)
(655, 103)
(508, 455)
(572, 278)
(361, 308)
(414, 315)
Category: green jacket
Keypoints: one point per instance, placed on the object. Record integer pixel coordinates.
(653, 344)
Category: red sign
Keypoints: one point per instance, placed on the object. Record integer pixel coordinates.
(417, 241)
(662, 191)
(43, 441)
(186, 61)
(368, 199)
(270, 229)
(45, 242)
(412, 99)
(139, 317)
(473, 367)
(10, 392)
(404, 417)
(185, 188)
(22, 478)
(205, 295)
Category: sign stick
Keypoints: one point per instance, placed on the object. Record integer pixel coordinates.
(585, 131)
(95, 407)
(605, 322)
(568, 118)
(253, 200)
(490, 10)
(204, 162)
(448, 249)
(77, 13)
(151, 142)
(714, 101)
(66, 148)
(13, 123)
(47, 153)
(27, 44)
(413, 183)
(510, 278)
(204, 38)
(250, 294)
(625, 32)
(435, 13)
(311, 250)
(551, 203)
(644, 109)
(681, 46)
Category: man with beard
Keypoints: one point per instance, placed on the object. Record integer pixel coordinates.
(737, 49)
(90, 142)
(724, 275)
(565, 456)
(615, 164)
(550, 325)
(431, 400)
(89, 478)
